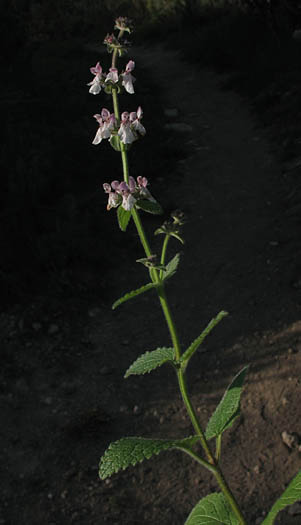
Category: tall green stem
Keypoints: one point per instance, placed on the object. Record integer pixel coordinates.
(212, 463)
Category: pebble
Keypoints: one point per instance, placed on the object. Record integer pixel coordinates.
(136, 410)
(36, 326)
(290, 440)
(284, 401)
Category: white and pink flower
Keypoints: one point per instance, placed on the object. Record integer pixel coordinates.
(107, 123)
(125, 132)
(127, 78)
(127, 194)
(98, 79)
(135, 117)
(112, 76)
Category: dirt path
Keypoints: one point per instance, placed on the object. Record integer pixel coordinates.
(66, 399)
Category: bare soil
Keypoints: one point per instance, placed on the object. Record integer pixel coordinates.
(63, 396)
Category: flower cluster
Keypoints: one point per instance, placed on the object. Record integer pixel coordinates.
(128, 131)
(113, 78)
(127, 194)
(124, 24)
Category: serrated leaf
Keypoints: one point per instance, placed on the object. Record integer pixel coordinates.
(123, 217)
(133, 293)
(171, 267)
(150, 360)
(132, 450)
(228, 408)
(212, 510)
(198, 341)
(150, 206)
(291, 494)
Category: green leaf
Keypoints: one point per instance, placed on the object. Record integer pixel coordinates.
(291, 494)
(212, 510)
(171, 267)
(132, 450)
(228, 408)
(123, 217)
(150, 360)
(198, 341)
(150, 206)
(133, 293)
(115, 142)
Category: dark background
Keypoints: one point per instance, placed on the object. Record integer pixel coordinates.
(55, 232)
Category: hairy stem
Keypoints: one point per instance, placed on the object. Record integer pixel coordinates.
(163, 253)
(211, 463)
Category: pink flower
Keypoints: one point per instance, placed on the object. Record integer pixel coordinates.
(127, 194)
(127, 191)
(97, 81)
(144, 192)
(107, 123)
(128, 78)
(135, 118)
(113, 75)
(114, 199)
(125, 132)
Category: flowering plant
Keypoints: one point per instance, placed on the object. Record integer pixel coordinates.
(129, 196)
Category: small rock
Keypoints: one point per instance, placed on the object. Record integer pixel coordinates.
(36, 326)
(162, 419)
(256, 469)
(48, 400)
(136, 410)
(50, 495)
(53, 329)
(284, 401)
(290, 440)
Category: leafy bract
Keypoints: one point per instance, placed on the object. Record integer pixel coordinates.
(115, 142)
(228, 408)
(212, 510)
(198, 341)
(291, 494)
(133, 293)
(150, 360)
(150, 206)
(132, 450)
(171, 267)
(123, 217)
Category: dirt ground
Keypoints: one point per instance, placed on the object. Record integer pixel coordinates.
(63, 395)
